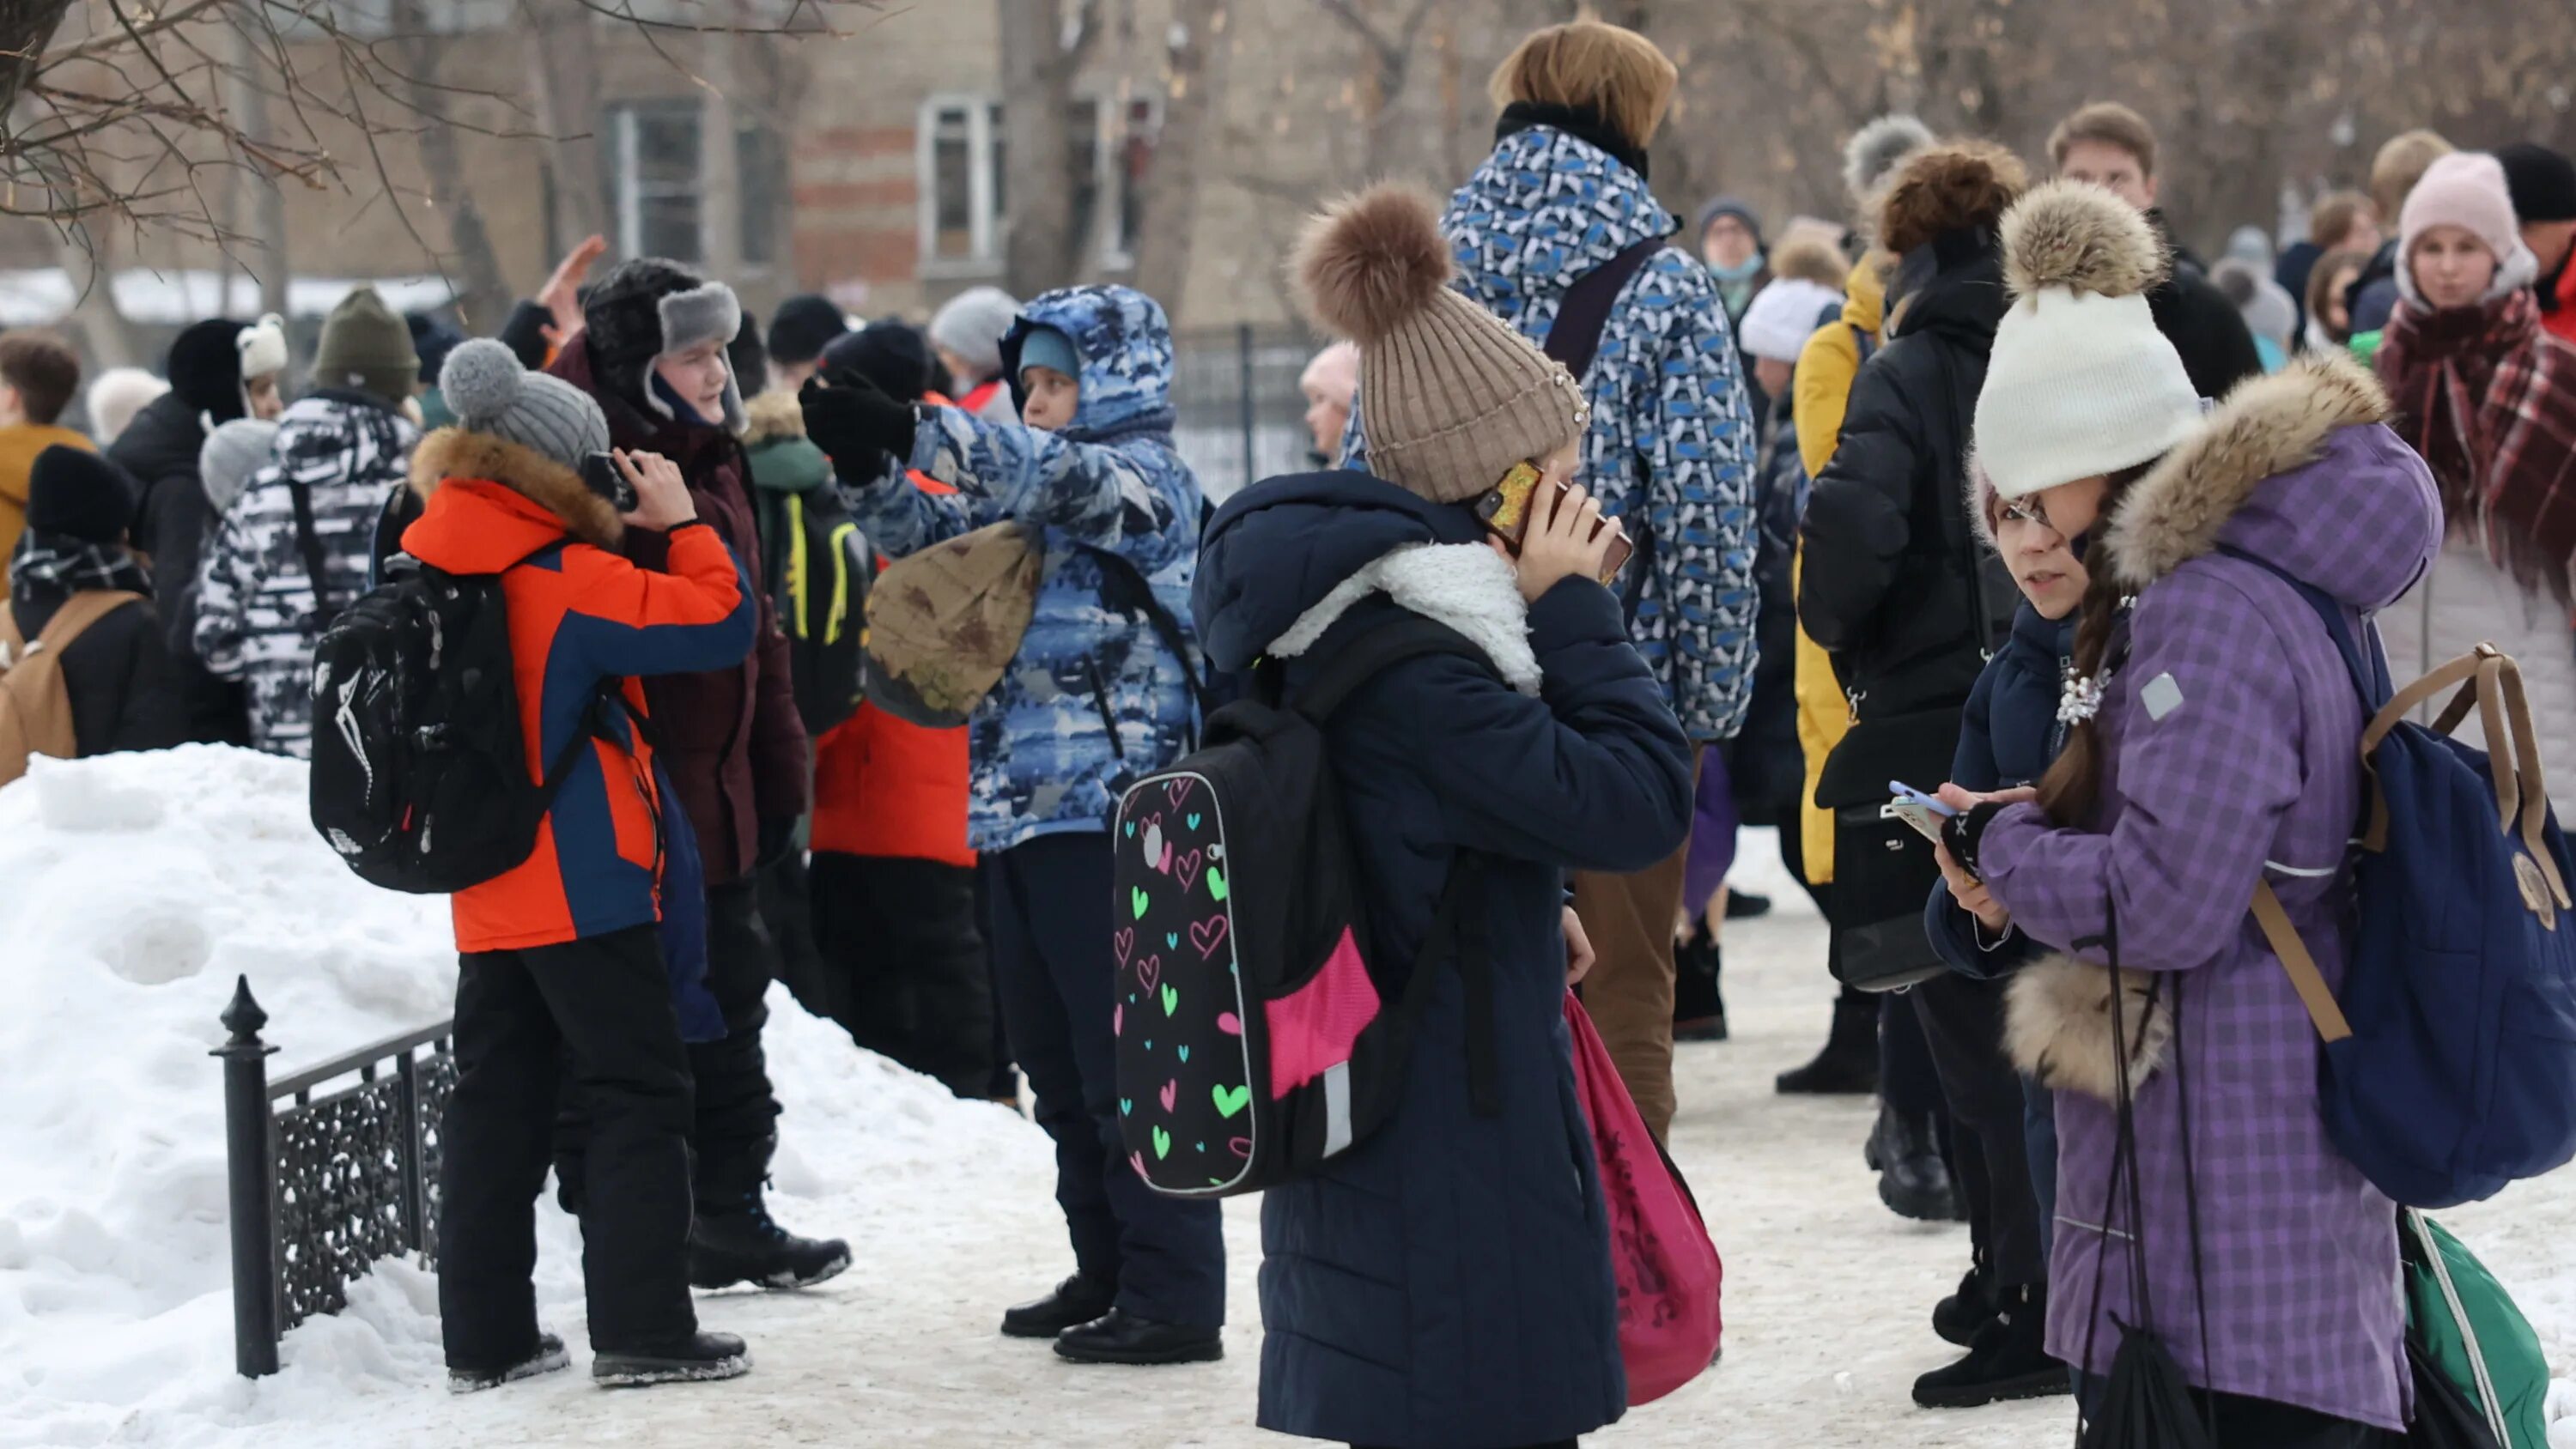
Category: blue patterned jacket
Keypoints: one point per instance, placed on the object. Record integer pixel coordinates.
(1673, 437)
(1094, 698)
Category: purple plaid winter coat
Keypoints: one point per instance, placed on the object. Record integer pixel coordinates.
(2229, 734)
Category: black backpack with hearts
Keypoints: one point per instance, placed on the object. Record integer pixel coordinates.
(1260, 1031)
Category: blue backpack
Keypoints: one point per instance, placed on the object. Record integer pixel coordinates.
(2449, 1067)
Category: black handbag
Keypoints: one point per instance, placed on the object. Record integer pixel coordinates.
(1884, 872)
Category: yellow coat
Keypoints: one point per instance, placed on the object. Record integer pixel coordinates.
(19, 446)
(1826, 368)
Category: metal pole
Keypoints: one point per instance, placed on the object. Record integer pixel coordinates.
(407, 1093)
(250, 1168)
(1243, 386)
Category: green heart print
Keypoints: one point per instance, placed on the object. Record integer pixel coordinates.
(1171, 1000)
(1231, 1100)
(1217, 888)
(1162, 1144)
(1137, 898)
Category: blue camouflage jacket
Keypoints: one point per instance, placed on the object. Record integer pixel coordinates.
(1673, 438)
(1094, 698)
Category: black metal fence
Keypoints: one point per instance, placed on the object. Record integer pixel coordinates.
(324, 1182)
(1242, 418)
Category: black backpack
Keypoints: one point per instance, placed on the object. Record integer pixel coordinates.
(1259, 1032)
(420, 777)
(822, 567)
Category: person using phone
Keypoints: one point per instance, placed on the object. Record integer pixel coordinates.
(1545, 745)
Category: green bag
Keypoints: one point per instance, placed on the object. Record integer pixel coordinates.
(2467, 1325)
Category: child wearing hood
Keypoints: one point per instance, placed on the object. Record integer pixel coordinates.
(1101, 691)
(2211, 749)
(1555, 751)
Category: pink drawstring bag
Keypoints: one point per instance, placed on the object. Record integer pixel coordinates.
(1667, 1268)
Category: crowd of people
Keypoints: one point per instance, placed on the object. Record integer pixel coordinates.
(1984, 486)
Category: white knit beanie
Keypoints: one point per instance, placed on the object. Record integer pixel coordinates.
(1784, 315)
(2081, 383)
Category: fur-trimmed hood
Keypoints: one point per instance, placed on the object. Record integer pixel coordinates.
(455, 455)
(772, 415)
(2273, 471)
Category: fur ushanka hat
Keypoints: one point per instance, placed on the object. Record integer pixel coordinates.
(648, 308)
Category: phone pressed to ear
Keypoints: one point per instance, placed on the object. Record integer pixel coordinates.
(1505, 512)
(600, 474)
(1917, 809)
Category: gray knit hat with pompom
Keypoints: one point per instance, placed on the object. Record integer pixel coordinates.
(487, 389)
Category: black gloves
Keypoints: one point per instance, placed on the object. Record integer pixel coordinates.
(856, 424)
(1962, 834)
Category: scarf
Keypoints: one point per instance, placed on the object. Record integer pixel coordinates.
(1581, 122)
(2489, 400)
(57, 563)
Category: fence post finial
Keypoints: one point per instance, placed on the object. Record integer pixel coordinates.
(248, 1170)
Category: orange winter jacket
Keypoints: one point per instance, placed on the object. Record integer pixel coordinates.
(580, 615)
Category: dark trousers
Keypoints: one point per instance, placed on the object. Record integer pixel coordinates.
(1050, 931)
(1907, 1080)
(905, 967)
(604, 1005)
(737, 1115)
(1963, 1021)
(2243, 1422)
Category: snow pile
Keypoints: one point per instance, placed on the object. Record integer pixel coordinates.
(133, 889)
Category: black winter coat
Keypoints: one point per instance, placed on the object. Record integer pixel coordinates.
(117, 674)
(2008, 736)
(2217, 347)
(172, 522)
(1896, 586)
(1446, 1284)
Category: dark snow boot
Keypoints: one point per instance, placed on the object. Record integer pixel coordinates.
(1076, 1301)
(1848, 1066)
(1912, 1179)
(700, 1358)
(1961, 1316)
(2009, 1360)
(549, 1357)
(1120, 1337)
(745, 1245)
(1699, 1012)
(1746, 906)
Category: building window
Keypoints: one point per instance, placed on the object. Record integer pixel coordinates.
(655, 148)
(657, 180)
(965, 205)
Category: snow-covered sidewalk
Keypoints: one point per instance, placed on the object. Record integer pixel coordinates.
(114, 1320)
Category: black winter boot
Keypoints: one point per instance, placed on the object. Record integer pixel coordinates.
(1699, 1011)
(1076, 1301)
(1121, 1337)
(2010, 1359)
(743, 1244)
(700, 1358)
(549, 1357)
(1746, 906)
(1848, 1066)
(1959, 1317)
(1912, 1179)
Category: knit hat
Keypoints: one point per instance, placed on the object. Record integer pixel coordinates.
(366, 346)
(2465, 189)
(1783, 316)
(2541, 181)
(231, 454)
(1874, 152)
(803, 327)
(749, 357)
(1048, 347)
(2081, 383)
(1450, 397)
(79, 494)
(431, 341)
(262, 346)
(890, 353)
(1734, 206)
(493, 395)
(971, 327)
(205, 368)
(646, 309)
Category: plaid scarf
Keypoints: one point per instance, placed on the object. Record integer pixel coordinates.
(48, 566)
(2489, 399)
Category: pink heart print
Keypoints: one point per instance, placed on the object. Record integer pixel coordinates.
(1229, 1023)
(1209, 934)
(1118, 1019)
(1136, 1160)
(1171, 1094)
(1177, 791)
(1150, 971)
(1188, 866)
(1239, 1146)
(1126, 942)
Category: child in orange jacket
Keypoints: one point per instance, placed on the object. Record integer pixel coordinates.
(578, 951)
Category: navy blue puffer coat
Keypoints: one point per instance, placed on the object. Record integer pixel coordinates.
(1446, 1284)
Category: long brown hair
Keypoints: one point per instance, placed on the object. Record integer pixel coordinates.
(2073, 784)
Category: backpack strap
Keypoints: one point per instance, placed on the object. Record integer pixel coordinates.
(1125, 589)
(1574, 338)
(2299, 965)
(71, 620)
(308, 541)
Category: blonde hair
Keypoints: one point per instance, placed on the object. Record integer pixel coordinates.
(1811, 258)
(1615, 73)
(2401, 162)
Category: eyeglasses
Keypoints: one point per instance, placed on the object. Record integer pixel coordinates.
(2029, 510)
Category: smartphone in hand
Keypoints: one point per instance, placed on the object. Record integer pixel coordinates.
(600, 475)
(1916, 809)
(1505, 511)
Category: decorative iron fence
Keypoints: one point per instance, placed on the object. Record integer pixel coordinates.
(1240, 416)
(324, 1182)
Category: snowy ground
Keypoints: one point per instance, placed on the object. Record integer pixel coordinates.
(131, 890)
